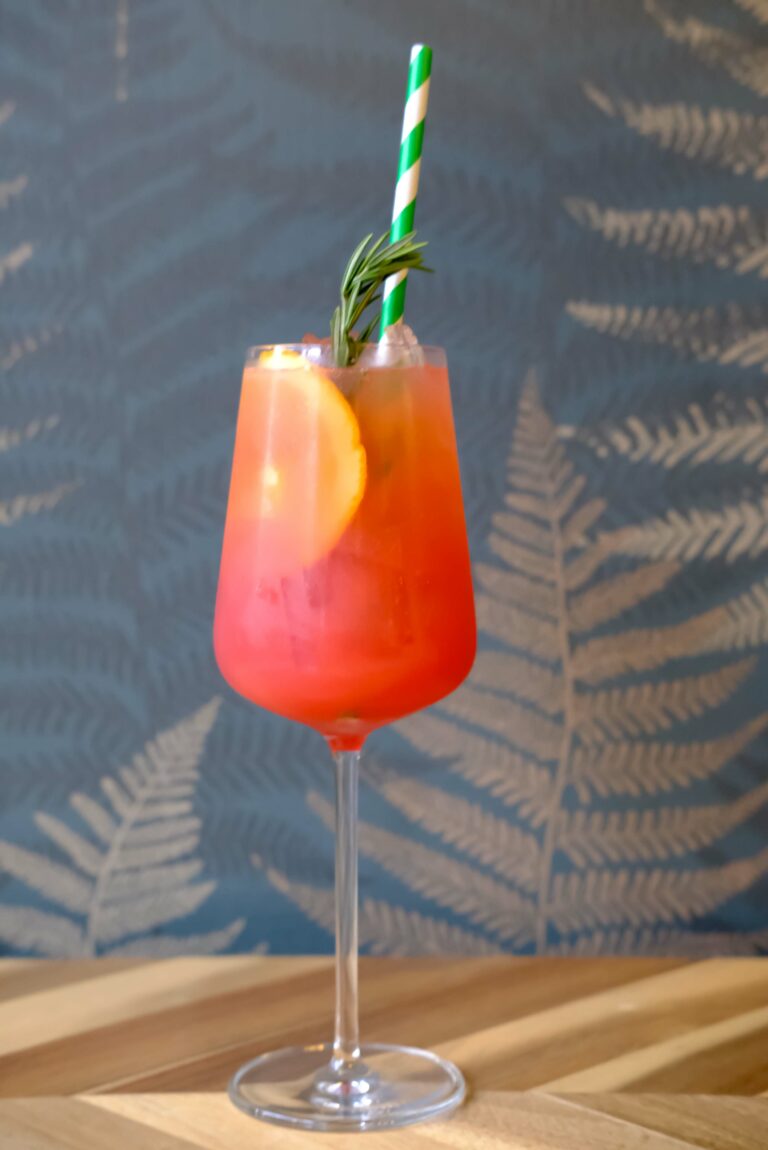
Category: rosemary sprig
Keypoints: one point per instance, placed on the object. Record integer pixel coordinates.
(370, 264)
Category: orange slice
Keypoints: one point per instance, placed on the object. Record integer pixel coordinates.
(299, 470)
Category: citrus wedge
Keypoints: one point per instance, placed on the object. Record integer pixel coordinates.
(299, 470)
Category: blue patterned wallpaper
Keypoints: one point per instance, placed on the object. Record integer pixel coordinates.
(182, 178)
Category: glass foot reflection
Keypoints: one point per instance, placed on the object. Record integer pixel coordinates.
(390, 1086)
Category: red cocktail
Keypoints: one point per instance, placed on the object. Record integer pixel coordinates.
(345, 602)
(345, 596)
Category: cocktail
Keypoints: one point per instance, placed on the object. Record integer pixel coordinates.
(345, 602)
(344, 596)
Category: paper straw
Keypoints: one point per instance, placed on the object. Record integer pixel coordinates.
(409, 164)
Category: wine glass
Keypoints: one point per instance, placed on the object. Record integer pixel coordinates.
(345, 602)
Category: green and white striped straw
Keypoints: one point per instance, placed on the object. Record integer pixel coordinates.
(408, 167)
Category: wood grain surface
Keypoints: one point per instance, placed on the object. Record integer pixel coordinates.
(658, 1054)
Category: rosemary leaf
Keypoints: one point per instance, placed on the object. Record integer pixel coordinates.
(370, 264)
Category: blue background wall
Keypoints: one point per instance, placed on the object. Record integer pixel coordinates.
(182, 178)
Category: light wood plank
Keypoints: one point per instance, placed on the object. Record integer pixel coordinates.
(70, 1124)
(534, 1051)
(112, 995)
(421, 1002)
(490, 1121)
(721, 1123)
(501, 1121)
(20, 977)
(654, 1062)
(103, 1053)
(198, 1044)
(575, 1025)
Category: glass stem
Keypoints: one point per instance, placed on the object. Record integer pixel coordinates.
(346, 1042)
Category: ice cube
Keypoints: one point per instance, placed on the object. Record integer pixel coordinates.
(399, 346)
(400, 335)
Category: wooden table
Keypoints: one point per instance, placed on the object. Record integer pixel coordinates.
(560, 1054)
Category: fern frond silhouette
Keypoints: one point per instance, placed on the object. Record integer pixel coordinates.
(734, 626)
(651, 707)
(665, 940)
(729, 533)
(488, 763)
(741, 623)
(19, 506)
(615, 594)
(483, 901)
(639, 897)
(731, 336)
(652, 835)
(175, 946)
(11, 437)
(384, 928)
(732, 237)
(729, 237)
(524, 680)
(722, 136)
(550, 724)
(132, 871)
(504, 847)
(693, 438)
(537, 736)
(743, 60)
(637, 768)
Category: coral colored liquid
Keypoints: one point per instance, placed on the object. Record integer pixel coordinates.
(383, 623)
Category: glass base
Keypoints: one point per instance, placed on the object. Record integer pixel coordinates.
(390, 1086)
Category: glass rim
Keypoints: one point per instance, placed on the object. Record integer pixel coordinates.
(433, 353)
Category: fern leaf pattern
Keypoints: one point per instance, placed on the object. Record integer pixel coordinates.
(488, 763)
(665, 940)
(728, 237)
(24, 928)
(504, 847)
(169, 946)
(481, 900)
(728, 337)
(651, 768)
(647, 708)
(11, 510)
(650, 835)
(576, 736)
(604, 897)
(611, 682)
(382, 927)
(694, 447)
(737, 625)
(734, 140)
(740, 624)
(731, 532)
(111, 492)
(618, 593)
(745, 61)
(695, 438)
(133, 872)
